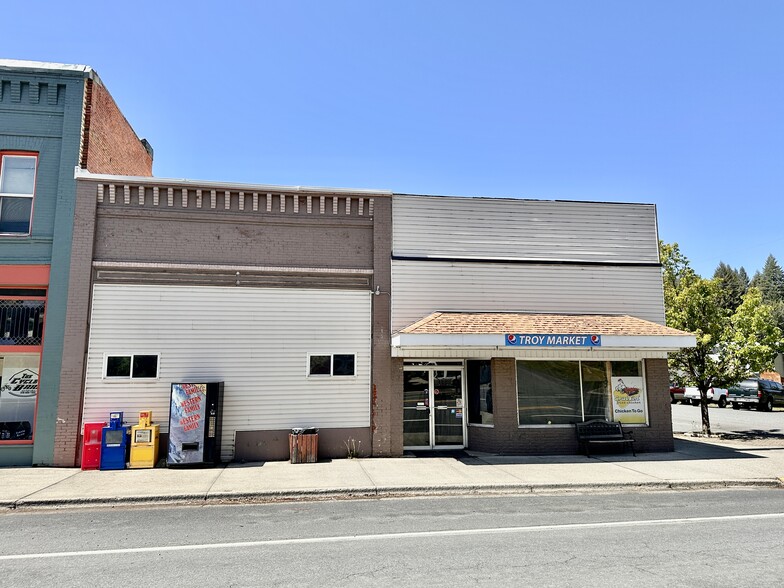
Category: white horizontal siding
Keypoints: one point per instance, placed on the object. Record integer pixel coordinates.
(485, 228)
(422, 287)
(255, 340)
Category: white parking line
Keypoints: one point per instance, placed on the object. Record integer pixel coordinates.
(384, 536)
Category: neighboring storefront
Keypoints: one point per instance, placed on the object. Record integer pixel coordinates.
(268, 289)
(53, 117)
(23, 292)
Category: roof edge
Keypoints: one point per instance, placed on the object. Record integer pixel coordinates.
(48, 66)
(81, 174)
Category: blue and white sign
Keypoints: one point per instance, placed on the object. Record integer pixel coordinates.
(543, 340)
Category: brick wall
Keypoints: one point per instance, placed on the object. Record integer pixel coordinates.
(226, 237)
(110, 145)
(69, 408)
(387, 403)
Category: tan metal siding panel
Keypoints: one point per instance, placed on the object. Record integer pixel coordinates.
(422, 287)
(255, 340)
(483, 228)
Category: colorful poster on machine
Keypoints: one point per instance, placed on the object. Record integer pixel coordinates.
(628, 400)
(187, 422)
(18, 393)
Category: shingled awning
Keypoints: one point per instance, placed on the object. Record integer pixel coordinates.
(511, 331)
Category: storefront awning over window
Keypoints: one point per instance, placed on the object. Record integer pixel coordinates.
(518, 333)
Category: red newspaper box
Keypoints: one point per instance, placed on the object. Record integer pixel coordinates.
(91, 446)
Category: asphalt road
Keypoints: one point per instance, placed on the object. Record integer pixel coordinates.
(717, 538)
(686, 418)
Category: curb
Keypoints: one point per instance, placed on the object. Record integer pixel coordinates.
(369, 492)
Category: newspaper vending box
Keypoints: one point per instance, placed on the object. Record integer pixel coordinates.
(144, 442)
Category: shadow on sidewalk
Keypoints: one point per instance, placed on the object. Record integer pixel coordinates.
(685, 450)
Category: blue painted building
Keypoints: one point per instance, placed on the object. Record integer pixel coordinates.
(53, 119)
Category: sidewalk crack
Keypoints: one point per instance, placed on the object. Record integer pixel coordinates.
(369, 477)
(207, 493)
(18, 500)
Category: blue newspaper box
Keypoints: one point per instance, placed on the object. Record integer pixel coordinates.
(114, 443)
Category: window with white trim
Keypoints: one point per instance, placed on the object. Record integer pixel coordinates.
(131, 366)
(332, 364)
(17, 188)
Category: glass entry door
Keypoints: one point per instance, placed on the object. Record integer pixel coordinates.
(433, 414)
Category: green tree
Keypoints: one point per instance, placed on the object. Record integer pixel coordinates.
(770, 281)
(730, 346)
(676, 272)
(744, 278)
(733, 285)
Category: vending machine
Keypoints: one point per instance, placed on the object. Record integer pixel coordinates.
(195, 412)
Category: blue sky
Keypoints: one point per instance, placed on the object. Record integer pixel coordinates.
(677, 103)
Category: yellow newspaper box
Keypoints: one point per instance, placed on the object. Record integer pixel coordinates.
(144, 442)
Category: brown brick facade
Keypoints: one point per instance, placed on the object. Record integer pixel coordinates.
(109, 144)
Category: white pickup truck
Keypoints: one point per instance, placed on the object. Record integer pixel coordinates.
(717, 395)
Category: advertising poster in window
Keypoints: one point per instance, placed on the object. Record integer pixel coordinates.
(628, 400)
(186, 423)
(18, 393)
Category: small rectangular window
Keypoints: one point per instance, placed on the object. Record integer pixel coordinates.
(320, 365)
(17, 188)
(134, 367)
(342, 365)
(145, 366)
(339, 364)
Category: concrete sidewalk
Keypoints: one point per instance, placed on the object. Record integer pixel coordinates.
(694, 464)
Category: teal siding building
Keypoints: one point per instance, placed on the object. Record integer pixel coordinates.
(53, 119)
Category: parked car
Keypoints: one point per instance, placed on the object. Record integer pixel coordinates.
(757, 393)
(676, 393)
(717, 395)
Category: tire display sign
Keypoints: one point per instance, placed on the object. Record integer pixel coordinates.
(18, 394)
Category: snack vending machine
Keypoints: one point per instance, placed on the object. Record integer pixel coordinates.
(195, 412)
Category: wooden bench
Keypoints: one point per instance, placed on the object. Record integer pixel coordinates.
(599, 432)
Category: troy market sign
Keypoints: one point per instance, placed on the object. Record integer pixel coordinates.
(544, 340)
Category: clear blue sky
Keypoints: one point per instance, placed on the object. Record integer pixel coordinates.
(677, 103)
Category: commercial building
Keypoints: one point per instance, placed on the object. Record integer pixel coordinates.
(390, 322)
(53, 117)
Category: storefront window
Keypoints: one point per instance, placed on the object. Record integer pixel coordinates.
(479, 387)
(566, 392)
(548, 392)
(18, 393)
(595, 387)
(21, 321)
